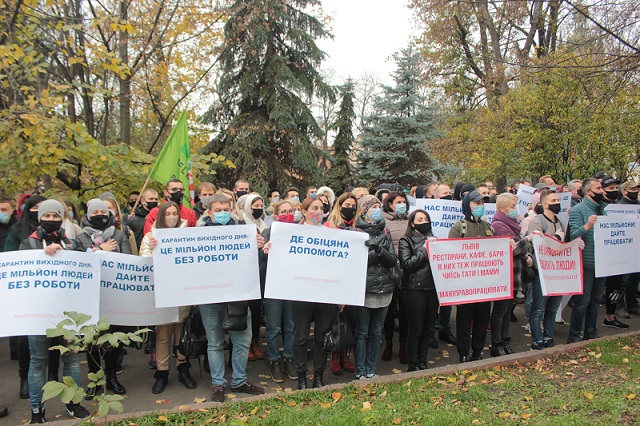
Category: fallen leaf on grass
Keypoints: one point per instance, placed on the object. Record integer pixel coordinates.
(528, 398)
(255, 410)
(475, 410)
(292, 404)
(230, 396)
(199, 400)
(383, 394)
(396, 371)
(588, 395)
(397, 421)
(475, 422)
(163, 401)
(631, 396)
(526, 416)
(163, 419)
(366, 406)
(472, 378)
(505, 415)
(183, 407)
(325, 405)
(452, 379)
(625, 360)
(288, 390)
(336, 397)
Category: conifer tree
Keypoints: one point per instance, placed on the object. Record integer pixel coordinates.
(340, 175)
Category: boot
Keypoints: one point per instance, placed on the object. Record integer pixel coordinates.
(255, 348)
(114, 385)
(251, 357)
(317, 379)
(412, 367)
(184, 377)
(497, 350)
(302, 380)
(24, 385)
(388, 351)
(346, 364)
(507, 346)
(91, 392)
(422, 365)
(336, 365)
(404, 355)
(162, 379)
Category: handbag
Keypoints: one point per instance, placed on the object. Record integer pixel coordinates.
(339, 336)
(193, 338)
(235, 316)
(396, 274)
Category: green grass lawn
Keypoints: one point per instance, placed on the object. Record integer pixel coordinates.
(594, 385)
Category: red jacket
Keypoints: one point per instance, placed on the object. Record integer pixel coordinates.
(185, 213)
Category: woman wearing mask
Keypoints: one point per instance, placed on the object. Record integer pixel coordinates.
(168, 217)
(100, 233)
(369, 319)
(419, 291)
(505, 224)
(114, 209)
(71, 228)
(343, 216)
(395, 211)
(253, 213)
(326, 206)
(297, 210)
(304, 313)
(278, 312)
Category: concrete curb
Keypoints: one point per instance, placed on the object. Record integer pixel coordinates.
(521, 357)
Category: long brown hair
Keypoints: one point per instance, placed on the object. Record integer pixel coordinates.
(304, 205)
(160, 219)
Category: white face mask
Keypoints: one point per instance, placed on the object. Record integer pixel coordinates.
(297, 216)
(171, 221)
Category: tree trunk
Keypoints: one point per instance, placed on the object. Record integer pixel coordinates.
(125, 83)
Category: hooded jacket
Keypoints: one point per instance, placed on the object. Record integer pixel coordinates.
(381, 259)
(475, 228)
(248, 213)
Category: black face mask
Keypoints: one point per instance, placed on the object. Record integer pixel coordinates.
(447, 197)
(177, 197)
(257, 213)
(597, 197)
(151, 205)
(132, 203)
(580, 193)
(423, 228)
(348, 213)
(555, 208)
(33, 216)
(241, 193)
(633, 196)
(51, 226)
(100, 222)
(325, 207)
(612, 195)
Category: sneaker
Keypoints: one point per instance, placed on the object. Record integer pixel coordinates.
(537, 346)
(561, 321)
(614, 323)
(360, 377)
(277, 372)
(37, 416)
(622, 313)
(249, 388)
(218, 394)
(549, 343)
(289, 370)
(372, 376)
(77, 411)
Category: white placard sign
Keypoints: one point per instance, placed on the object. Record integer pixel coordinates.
(565, 205)
(127, 295)
(317, 264)
(35, 289)
(628, 209)
(617, 239)
(525, 193)
(559, 266)
(489, 212)
(206, 264)
(468, 270)
(443, 213)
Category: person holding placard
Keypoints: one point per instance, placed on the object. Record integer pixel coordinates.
(472, 319)
(418, 288)
(627, 302)
(582, 218)
(213, 314)
(100, 233)
(49, 235)
(369, 319)
(343, 216)
(505, 224)
(168, 217)
(395, 210)
(304, 313)
(278, 312)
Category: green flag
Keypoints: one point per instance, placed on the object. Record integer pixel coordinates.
(174, 161)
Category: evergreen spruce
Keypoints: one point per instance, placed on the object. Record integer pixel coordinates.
(340, 175)
(269, 63)
(396, 138)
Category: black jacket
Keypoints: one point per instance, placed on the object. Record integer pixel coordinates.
(382, 257)
(84, 242)
(415, 263)
(4, 230)
(35, 241)
(136, 223)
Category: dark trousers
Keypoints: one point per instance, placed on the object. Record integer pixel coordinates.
(256, 317)
(303, 314)
(396, 306)
(501, 320)
(421, 307)
(612, 293)
(479, 314)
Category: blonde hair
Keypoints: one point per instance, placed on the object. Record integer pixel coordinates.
(360, 190)
(504, 200)
(335, 218)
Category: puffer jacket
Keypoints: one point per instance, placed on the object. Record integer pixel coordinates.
(380, 260)
(84, 242)
(415, 263)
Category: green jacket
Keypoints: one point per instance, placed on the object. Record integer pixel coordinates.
(578, 217)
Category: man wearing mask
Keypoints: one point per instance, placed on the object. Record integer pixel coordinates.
(582, 218)
(291, 192)
(206, 189)
(575, 187)
(133, 197)
(148, 202)
(610, 187)
(8, 218)
(174, 191)
(629, 192)
(442, 192)
(240, 188)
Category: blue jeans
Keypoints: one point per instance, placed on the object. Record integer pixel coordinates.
(279, 316)
(543, 309)
(528, 299)
(369, 324)
(584, 314)
(212, 318)
(39, 348)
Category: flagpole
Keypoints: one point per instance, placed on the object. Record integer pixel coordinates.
(135, 206)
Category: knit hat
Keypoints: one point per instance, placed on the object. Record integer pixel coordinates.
(366, 202)
(51, 206)
(96, 204)
(106, 195)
